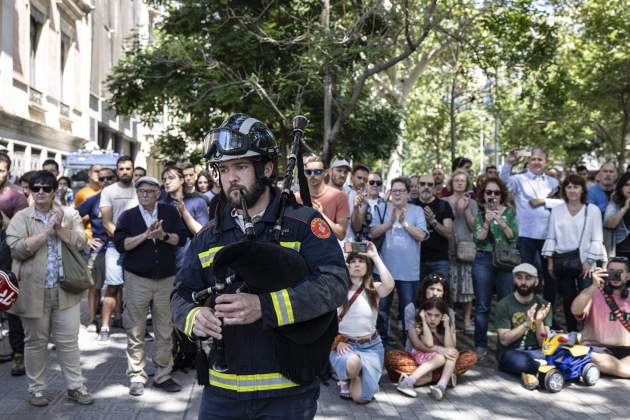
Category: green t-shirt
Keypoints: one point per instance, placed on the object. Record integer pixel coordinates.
(510, 313)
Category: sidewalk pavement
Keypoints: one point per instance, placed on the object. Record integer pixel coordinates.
(481, 394)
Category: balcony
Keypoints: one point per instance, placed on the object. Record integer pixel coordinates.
(64, 110)
(36, 97)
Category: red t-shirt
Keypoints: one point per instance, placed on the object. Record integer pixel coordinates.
(12, 201)
(334, 203)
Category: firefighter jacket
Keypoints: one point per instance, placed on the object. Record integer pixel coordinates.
(249, 353)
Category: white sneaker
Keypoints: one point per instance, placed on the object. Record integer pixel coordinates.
(436, 392)
(404, 388)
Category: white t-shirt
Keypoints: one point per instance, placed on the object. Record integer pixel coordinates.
(119, 199)
(360, 320)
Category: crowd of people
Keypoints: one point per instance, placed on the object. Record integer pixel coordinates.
(445, 245)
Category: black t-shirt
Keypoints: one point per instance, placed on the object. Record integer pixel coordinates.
(436, 247)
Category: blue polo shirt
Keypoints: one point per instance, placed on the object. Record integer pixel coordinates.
(400, 251)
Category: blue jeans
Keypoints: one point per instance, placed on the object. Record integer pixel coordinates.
(300, 406)
(430, 267)
(519, 361)
(487, 279)
(406, 294)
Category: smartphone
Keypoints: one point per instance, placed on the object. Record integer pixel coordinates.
(523, 153)
(354, 247)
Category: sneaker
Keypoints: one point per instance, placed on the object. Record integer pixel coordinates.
(103, 336)
(136, 389)
(481, 352)
(80, 396)
(17, 365)
(37, 399)
(169, 385)
(344, 390)
(436, 392)
(529, 381)
(452, 383)
(406, 388)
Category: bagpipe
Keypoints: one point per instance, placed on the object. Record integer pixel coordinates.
(255, 266)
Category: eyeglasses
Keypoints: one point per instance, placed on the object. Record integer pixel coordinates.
(427, 184)
(377, 183)
(313, 171)
(146, 192)
(105, 178)
(398, 191)
(493, 192)
(39, 188)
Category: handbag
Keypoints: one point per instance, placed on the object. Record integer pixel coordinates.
(569, 264)
(504, 257)
(465, 251)
(75, 277)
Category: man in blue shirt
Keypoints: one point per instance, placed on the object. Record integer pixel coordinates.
(599, 194)
(404, 228)
(90, 208)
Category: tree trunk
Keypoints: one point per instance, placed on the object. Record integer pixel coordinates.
(327, 146)
(625, 126)
(453, 117)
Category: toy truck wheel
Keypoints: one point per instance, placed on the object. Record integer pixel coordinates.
(590, 374)
(554, 381)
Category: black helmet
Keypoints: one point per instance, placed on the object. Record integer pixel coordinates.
(240, 136)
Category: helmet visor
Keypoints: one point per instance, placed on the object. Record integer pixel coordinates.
(226, 142)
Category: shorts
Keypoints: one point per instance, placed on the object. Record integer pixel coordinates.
(113, 267)
(96, 264)
(617, 352)
(421, 357)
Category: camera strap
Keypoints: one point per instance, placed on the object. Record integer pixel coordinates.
(612, 304)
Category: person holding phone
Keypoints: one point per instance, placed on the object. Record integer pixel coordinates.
(605, 309)
(494, 224)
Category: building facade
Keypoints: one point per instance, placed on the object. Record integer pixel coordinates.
(54, 59)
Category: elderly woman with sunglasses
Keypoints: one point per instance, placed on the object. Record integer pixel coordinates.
(47, 311)
(494, 224)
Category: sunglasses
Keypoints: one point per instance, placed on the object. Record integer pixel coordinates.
(427, 184)
(377, 183)
(313, 171)
(105, 178)
(493, 192)
(39, 188)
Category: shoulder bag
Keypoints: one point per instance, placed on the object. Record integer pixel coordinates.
(569, 264)
(465, 251)
(504, 257)
(75, 277)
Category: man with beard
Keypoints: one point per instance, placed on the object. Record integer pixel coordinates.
(338, 173)
(599, 194)
(243, 151)
(522, 319)
(605, 309)
(439, 217)
(330, 202)
(440, 181)
(115, 199)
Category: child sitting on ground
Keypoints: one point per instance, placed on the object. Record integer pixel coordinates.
(433, 348)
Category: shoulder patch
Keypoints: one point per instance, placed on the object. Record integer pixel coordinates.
(320, 228)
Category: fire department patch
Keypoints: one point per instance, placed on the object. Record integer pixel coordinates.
(320, 228)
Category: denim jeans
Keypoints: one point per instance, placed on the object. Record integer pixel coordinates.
(519, 361)
(530, 253)
(406, 294)
(290, 407)
(487, 279)
(430, 267)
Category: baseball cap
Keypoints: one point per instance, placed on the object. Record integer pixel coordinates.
(147, 180)
(340, 162)
(526, 268)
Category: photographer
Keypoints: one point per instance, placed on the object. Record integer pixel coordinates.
(605, 309)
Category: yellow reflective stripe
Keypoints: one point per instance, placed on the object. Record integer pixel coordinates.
(276, 307)
(292, 245)
(207, 257)
(250, 383)
(282, 306)
(190, 320)
(287, 303)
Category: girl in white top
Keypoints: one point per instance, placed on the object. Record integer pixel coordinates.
(358, 353)
(574, 225)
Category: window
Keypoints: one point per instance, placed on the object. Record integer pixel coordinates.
(37, 22)
(64, 50)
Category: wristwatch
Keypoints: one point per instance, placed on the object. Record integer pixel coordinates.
(166, 237)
